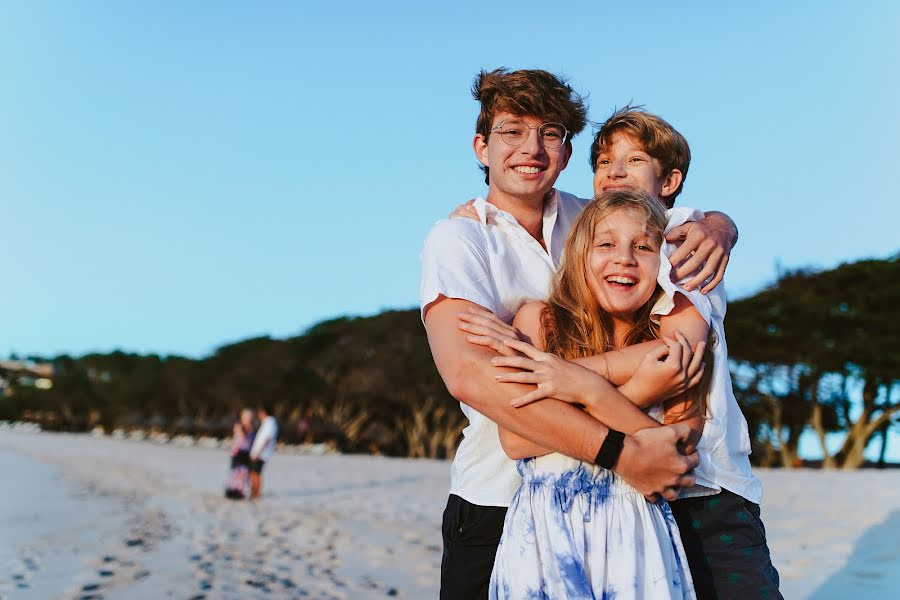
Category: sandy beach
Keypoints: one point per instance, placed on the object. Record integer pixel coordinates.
(94, 517)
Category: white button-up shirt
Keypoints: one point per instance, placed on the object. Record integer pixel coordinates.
(724, 448)
(495, 263)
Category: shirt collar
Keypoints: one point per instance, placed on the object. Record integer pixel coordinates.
(487, 212)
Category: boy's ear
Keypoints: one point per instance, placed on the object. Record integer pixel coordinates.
(671, 182)
(565, 162)
(479, 144)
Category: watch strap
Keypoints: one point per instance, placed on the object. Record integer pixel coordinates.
(610, 449)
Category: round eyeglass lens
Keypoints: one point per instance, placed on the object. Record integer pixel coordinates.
(553, 135)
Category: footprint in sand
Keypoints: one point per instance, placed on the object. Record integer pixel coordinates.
(91, 587)
(20, 581)
(31, 564)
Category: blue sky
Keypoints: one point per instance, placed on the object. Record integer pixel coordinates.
(175, 176)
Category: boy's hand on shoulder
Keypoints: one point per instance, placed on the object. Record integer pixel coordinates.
(704, 250)
(465, 211)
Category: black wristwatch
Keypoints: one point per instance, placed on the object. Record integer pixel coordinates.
(610, 449)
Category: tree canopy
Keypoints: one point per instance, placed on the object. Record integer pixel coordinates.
(813, 350)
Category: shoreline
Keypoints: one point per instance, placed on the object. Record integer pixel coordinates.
(151, 521)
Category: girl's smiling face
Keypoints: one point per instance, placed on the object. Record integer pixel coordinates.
(623, 263)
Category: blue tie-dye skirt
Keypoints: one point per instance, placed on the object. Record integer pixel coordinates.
(577, 531)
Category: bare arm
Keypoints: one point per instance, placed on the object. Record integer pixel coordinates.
(665, 367)
(470, 378)
(649, 460)
(619, 413)
(617, 366)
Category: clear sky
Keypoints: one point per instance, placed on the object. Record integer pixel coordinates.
(178, 175)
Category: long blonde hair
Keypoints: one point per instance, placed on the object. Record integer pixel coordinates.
(574, 325)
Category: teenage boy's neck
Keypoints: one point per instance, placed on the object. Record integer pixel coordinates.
(528, 210)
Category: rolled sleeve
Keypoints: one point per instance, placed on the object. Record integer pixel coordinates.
(665, 304)
(455, 264)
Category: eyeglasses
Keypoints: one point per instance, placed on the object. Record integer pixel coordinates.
(515, 133)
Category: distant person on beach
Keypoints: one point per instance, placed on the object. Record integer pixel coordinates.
(506, 258)
(242, 441)
(262, 449)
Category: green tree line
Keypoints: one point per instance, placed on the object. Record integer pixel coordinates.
(814, 351)
(819, 351)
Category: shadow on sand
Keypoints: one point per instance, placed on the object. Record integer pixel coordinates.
(873, 570)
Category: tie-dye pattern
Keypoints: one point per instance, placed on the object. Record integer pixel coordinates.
(578, 532)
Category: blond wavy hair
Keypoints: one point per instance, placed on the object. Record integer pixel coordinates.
(574, 325)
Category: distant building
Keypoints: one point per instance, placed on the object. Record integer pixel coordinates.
(27, 373)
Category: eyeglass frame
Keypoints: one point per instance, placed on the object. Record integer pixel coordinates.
(530, 127)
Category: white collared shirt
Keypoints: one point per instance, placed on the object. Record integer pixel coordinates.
(264, 440)
(724, 447)
(495, 263)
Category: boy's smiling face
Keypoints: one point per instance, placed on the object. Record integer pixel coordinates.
(625, 165)
(528, 171)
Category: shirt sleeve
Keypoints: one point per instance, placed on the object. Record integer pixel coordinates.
(261, 439)
(665, 304)
(455, 264)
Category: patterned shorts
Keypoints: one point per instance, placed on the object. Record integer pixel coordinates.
(725, 542)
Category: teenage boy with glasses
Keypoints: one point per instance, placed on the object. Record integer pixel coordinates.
(498, 263)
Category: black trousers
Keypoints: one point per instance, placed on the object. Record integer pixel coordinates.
(725, 543)
(471, 535)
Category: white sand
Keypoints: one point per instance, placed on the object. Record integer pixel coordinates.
(86, 517)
